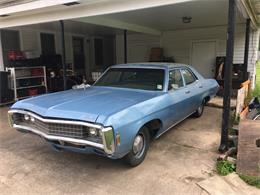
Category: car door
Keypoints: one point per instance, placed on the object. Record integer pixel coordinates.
(191, 92)
(175, 98)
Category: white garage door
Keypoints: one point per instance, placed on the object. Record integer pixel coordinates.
(204, 57)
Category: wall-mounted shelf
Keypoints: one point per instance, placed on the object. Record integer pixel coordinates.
(28, 81)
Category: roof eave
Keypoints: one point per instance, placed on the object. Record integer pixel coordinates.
(251, 13)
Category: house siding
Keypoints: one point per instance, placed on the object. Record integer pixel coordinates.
(135, 41)
(178, 44)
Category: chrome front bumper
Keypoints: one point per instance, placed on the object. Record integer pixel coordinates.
(107, 145)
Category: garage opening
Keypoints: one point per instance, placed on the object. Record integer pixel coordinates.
(184, 32)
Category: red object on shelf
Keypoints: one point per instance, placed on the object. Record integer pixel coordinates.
(15, 55)
(11, 55)
(37, 72)
(33, 92)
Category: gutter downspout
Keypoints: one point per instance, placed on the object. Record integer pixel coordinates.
(245, 75)
(63, 55)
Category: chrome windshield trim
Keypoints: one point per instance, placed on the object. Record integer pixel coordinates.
(60, 138)
(71, 122)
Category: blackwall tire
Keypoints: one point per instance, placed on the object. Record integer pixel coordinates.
(200, 110)
(139, 149)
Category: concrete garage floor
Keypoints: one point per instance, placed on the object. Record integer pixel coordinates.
(175, 162)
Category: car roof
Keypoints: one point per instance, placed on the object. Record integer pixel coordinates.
(151, 65)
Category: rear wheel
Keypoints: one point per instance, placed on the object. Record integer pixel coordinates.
(139, 148)
(200, 110)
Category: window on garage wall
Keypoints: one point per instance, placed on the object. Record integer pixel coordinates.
(10, 41)
(48, 44)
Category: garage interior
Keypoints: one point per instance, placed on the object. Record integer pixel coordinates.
(188, 33)
(50, 52)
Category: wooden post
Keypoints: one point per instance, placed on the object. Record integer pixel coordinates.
(228, 77)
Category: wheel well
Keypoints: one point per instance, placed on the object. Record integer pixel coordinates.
(154, 126)
(207, 98)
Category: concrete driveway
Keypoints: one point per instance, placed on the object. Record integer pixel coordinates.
(175, 162)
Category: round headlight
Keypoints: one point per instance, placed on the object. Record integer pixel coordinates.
(26, 117)
(93, 132)
(32, 119)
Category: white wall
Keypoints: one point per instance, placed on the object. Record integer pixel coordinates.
(253, 55)
(30, 41)
(178, 44)
(139, 46)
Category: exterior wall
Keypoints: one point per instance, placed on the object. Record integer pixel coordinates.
(253, 55)
(178, 44)
(139, 46)
(30, 41)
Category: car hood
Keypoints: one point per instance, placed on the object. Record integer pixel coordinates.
(84, 104)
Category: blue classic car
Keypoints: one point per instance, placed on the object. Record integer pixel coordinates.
(121, 113)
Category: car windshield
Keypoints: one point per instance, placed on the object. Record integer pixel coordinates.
(134, 78)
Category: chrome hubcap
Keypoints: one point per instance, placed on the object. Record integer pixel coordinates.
(200, 109)
(138, 144)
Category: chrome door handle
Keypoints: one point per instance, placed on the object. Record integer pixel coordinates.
(187, 92)
(200, 86)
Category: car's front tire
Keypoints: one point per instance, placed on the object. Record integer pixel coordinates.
(139, 148)
(200, 110)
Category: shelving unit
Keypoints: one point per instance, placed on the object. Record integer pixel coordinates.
(28, 81)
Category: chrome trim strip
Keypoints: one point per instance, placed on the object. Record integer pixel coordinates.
(60, 138)
(108, 140)
(107, 132)
(71, 122)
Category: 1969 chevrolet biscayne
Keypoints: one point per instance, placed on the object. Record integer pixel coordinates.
(119, 115)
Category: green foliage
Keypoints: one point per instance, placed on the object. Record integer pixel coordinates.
(224, 167)
(232, 131)
(258, 74)
(233, 119)
(253, 93)
(256, 91)
(251, 180)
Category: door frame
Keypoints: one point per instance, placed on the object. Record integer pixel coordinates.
(84, 50)
(201, 41)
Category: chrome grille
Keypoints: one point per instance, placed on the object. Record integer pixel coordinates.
(57, 129)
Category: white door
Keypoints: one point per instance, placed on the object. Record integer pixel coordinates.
(204, 57)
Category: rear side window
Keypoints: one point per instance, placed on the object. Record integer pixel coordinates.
(175, 80)
(188, 76)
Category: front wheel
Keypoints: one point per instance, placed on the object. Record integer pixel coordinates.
(200, 110)
(139, 148)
